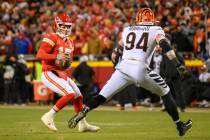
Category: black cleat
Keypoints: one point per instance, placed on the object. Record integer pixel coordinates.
(184, 127)
(75, 119)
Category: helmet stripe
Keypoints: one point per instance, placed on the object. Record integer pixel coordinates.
(144, 12)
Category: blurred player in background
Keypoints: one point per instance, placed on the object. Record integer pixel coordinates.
(137, 47)
(172, 78)
(56, 52)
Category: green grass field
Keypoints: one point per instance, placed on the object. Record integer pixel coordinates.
(23, 123)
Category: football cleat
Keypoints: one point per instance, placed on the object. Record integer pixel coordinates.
(75, 119)
(184, 127)
(48, 121)
(83, 126)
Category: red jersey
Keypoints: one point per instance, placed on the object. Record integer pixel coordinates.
(49, 48)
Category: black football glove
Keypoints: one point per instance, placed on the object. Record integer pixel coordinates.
(116, 54)
(184, 73)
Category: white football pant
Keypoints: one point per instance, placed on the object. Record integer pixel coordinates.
(134, 72)
(59, 85)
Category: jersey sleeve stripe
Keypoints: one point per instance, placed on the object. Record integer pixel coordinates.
(49, 41)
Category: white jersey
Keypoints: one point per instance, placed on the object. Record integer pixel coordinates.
(138, 47)
(139, 42)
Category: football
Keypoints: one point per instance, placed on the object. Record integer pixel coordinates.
(63, 63)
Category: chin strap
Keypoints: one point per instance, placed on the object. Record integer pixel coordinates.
(61, 35)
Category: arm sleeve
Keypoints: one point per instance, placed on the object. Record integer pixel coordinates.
(166, 47)
(46, 47)
(164, 44)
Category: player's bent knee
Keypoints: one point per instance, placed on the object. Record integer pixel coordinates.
(70, 97)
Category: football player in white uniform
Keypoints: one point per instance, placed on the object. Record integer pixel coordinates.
(136, 49)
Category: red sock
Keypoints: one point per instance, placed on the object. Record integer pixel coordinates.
(78, 104)
(63, 101)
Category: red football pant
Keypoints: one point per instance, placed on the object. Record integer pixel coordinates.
(63, 101)
(78, 104)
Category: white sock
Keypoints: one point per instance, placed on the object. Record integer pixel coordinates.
(52, 112)
(83, 121)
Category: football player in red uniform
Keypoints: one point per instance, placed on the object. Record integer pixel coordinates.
(56, 52)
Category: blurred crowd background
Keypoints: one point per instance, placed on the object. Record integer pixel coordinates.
(97, 27)
(98, 23)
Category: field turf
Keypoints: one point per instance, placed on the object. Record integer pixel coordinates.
(23, 123)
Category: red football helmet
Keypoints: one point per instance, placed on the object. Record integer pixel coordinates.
(145, 16)
(63, 25)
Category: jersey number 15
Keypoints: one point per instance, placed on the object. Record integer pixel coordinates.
(141, 44)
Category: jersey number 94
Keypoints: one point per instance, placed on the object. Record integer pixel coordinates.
(141, 44)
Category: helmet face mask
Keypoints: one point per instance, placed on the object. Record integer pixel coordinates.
(145, 16)
(63, 25)
(64, 30)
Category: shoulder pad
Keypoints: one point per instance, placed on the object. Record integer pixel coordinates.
(50, 38)
(157, 27)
